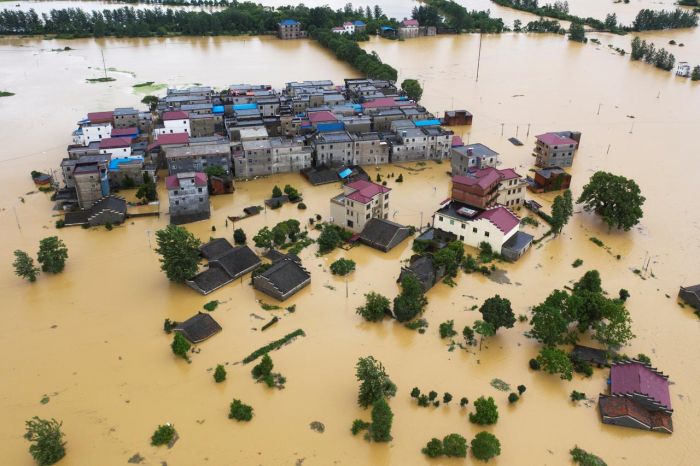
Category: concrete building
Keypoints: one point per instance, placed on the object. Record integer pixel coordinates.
(125, 117)
(412, 145)
(197, 158)
(205, 124)
(117, 147)
(188, 196)
(91, 183)
(369, 149)
(333, 148)
(439, 142)
(360, 201)
(549, 179)
(409, 28)
(289, 155)
(488, 187)
(253, 158)
(174, 122)
(556, 149)
(472, 156)
(290, 29)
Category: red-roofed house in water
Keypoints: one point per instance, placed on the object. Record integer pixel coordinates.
(173, 122)
(409, 28)
(360, 201)
(188, 196)
(639, 398)
(489, 186)
(556, 149)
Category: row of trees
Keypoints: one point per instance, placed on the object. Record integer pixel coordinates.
(484, 446)
(641, 50)
(456, 17)
(346, 49)
(560, 10)
(650, 20)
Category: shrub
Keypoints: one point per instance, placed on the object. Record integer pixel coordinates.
(47, 445)
(180, 346)
(513, 397)
(239, 236)
(577, 396)
(276, 191)
(415, 393)
(219, 374)
(264, 368)
(534, 364)
(163, 435)
(240, 411)
(423, 400)
(485, 446)
(342, 267)
(358, 425)
(521, 389)
(434, 447)
(399, 179)
(301, 206)
(60, 223)
(432, 395)
(447, 329)
(577, 263)
(486, 411)
(375, 383)
(376, 306)
(211, 305)
(382, 418)
(463, 402)
(644, 358)
(581, 367)
(446, 398)
(624, 294)
(454, 445)
(584, 458)
(169, 325)
(24, 266)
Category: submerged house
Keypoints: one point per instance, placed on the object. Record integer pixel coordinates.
(549, 179)
(691, 295)
(283, 278)
(424, 270)
(226, 263)
(198, 327)
(383, 234)
(639, 398)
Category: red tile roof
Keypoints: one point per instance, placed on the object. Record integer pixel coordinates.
(116, 132)
(635, 377)
(508, 174)
(457, 141)
(485, 177)
(115, 143)
(501, 217)
(553, 139)
(100, 117)
(410, 22)
(365, 191)
(175, 115)
(319, 117)
(173, 138)
(615, 407)
(173, 182)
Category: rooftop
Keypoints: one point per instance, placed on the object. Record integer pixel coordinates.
(636, 377)
(115, 143)
(198, 327)
(175, 115)
(364, 191)
(478, 150)
(499, 216)
(555, 139)
(198, 150)
(98, 117)
(286, 274)
(173, 181)
(318, 117)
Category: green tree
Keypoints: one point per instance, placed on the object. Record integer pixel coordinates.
(562, 210)
(263, 368)
(214, 170)
(276, 191)
(375, 308)
(616, 199)
(497, 312)
(240, 411)
(411, 301)
(263, 239)
(468, 335)
(382, 418)
(180, 345)
(486, 411)
(614, 329)
(179, 251)
(484, 329)
(292, 193)
(147, 191)
(342, 267)
(151, 101)
(549, 319)
(47, 445)
(52, 254)
(412, 88)
(375, 384)
(584, 458)
(24, 266)
(611, 22)
(219, 373)
(577, 32)
(695, 74)
(454, 445)
(163, 435)
(329, 239)
(239, 236)
(590, 282)
(513, 397)
(485, 446)
(433, 449)
(447, 329)
(556, 361)
(450, 257)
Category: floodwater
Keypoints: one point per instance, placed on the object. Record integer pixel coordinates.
(91, 338)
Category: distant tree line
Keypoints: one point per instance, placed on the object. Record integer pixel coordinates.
(650, 20)
(661, 58)
(456, 17)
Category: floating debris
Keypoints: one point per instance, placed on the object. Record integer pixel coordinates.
(499, 384)
(318, 427)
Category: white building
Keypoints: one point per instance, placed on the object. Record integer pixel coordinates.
(349, 28)
(360, 201)
(117, 147)
(174, 122)
(188, 196)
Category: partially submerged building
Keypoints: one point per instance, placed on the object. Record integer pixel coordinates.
(424, 270)
(283, 278)
(549, 179)
(489, 186)
(360, 201)
(457, 118)
(383, 235)
(198, 327)
(226, 263)
(107, 210)
(290, 29)
(691, 295)
(472, 156)
(188, 196)
(556, 149)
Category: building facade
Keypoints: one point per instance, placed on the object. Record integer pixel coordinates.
(198, 158)
(188, 196)
(360, 201)
(290, 29)
(333, 148)
(472, 156)
(556, 149)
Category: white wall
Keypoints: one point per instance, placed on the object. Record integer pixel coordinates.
(465, 230)
(174, 126)
(96, 133)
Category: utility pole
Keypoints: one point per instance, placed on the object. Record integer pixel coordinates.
(478, 60)
(517, 128)
(632, 128)
(502, 128)
(599, 105)
(104, 66)
(528, 130)
(148, 234)
(420, 228)
(14, 209)
(607, 151)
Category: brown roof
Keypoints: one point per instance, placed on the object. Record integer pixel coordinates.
(616, 407)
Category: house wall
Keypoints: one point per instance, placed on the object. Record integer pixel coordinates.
(290, 159)
(106, 216)
(474, 195)
(554, 156)
(92, 133)
(334, 153)
(189, 199)
(511, 192)
(464, 231)
(372, 152)
(88, 188)
(174, 126)
(198, 163)
(117, 151)
(353, 215)
(126, 121)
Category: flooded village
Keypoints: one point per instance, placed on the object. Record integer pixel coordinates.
(310, 186)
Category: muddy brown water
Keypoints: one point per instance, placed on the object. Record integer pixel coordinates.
(91, 338)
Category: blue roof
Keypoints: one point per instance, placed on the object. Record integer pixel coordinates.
(245, 106)
(358, 23)
(114, 163)
(387, 28)
(402, 98)
(217, 108)
(420, 123)
(289, 22)
(357, 107)
(345, 173)
(334, 126)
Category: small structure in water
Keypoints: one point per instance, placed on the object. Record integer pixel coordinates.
(683, 69)
(595, 356)
(383, 234)
(226, 263)
(549, 179)
(283, 278)
(198, 327)
(691, 295)
(457, 118)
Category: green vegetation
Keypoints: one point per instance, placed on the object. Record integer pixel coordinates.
(433, 449)
(375, 308)
(151, 101)
(615, 198)
(211, 305)
(694, 75)
(179, 251)
(555, 361)
(331, 237)
(347, 50)
(562, 210)
(577, 33)
(6, 94)
(457, 17)
(413, 90)
(577, 263)
(485, 446)
(163, 435)
(282, 233)
(449, 257)
(292, 193)
(513, 397)
(144, 84)
(486, 411)
(342, 267)
(652, 20)
(24, 266)
(411, 301)
(399, 179)
(577, 396)
(484, 329)
(262, 372)
(180, 346)
(47, 445)
(100, 80)
(560, 10)
(273, 346)
(358, 425)
(382, 419)
(375, 384)
(544, 25)
(240, 412)
(276, 192)
(219, 373)
(468, 334)
(660, 58)
(497, 312)
(447, 329)
(584, 458)
(239, 236)
(417, 324)
(529, 221)
(644, 358)
(52, 254)
(521, 389)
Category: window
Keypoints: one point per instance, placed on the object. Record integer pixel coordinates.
(464, 226)
(386, 206)
(350, 224)
(486, 233)
(199, 190)
(452, 222)
(473, 230)
(175, 192)
(367, 217)
(177, 202)
(440, 218)
(368, 205)
(461, 237)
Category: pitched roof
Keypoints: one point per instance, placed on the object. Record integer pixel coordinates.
(215, 248)
(116, 132)
(358, 23)
(289, 22)
(387, 102)
(175, 115)
(554, 139)
(173, 138)
(614, 408)
(410, 23)
(286, 274)
(317, 117)
(636, 377)
(483, 178)
(115, 143)
(237, 261)
(173, 181)
(501, 217)
(477, 149)
(210, 279)
(198, 327)
(99, 117)
(383, 234)
(365, 190)
(457, 141)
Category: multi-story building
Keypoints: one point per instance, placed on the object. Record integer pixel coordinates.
(550, 179)
(289, 155)
(188, 196)
(370, 149)
(333, 148)
(175, 121)
(360, 201)
(412, 145)
(118, 147)
(439, 142)
(489, 186)
(125, 117)
(197, 158)
(472, 156)
(409, 28)
(253, 158)
(94, 128)
(69, 165)
(556, 149)
(290, 29)
(91, 183)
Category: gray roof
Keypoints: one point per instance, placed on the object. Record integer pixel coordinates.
(518, 242)
(198, 327)
(198, 150)
(333, 137)
(210, 279)
(286, 274)
(215, 248)
(383, 235)
(125, 111)
(237, 261)
(478, 150)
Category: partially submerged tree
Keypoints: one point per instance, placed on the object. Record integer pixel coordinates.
(24, 266)
(52, 254)
(454, 445)
(179, 251)
(412, 88)
(47, 445)
(616, 199)
(239, 236)
(375, 308)
(556, 361)
(382, 419)
(375, 384)
(342, 267)
(498, 312)
(562, 210)
(549, 320)
(163, 435)
(411, 301)
(219, 373)
(263, 239)
(485, 446)
(486, 411)
(240, 411)
(180, 346)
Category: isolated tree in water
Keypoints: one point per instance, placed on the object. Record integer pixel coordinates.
(562, 209)
(239, 236)
(616, 199)
(497, 312)
(556, 361)
(382, 418)
(47, 445)
(485, 446)
(24, 266)
(179, 251)
(52, 254)
(411, 301)
(577, 32)
(375, 384)
(486, 411)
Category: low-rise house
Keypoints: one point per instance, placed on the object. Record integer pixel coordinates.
(549, 179)
(68, 166)
(188, 196)
(691, 295)
(473, 226)
(205, 125)
(197, 158)
(457, 118)
(383, 235)
(423, 269)
(556, 149)
(472, 156)
(254, 133)
(333, 148)
(117, 147)
(370, 149)
(590, 355)
(174, 122)
(357, 123)
(283, 278)
(90, 131)
(409, 28)
(290, 29)
(360, 26)
(226, 264)
(639, 397)
(107, 210)
(131, 132)
(125, 171)
(439, 141)
(145, 122)
(360, 201)
(324, 120)
(221, 185)
(198, 327)
(125, 117)
(338, 30)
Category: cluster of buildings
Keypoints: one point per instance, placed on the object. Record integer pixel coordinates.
(407, 29)
(350, 28)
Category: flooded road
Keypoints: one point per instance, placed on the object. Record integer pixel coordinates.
(91, 338)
